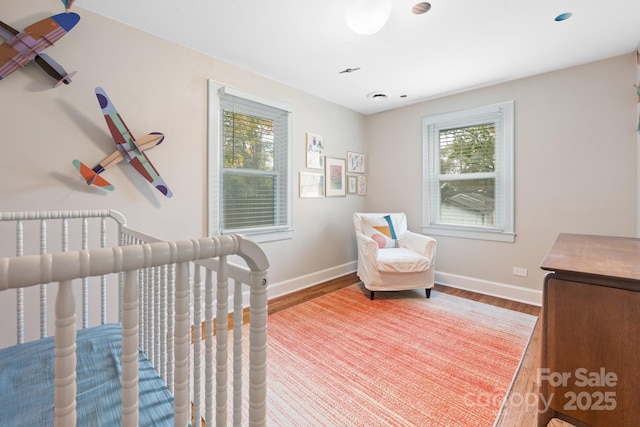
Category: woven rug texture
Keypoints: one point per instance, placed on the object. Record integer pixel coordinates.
(400, 360)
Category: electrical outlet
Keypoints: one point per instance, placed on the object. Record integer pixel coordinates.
(519, 271)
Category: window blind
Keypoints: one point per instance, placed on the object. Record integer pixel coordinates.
(254, 185)
(467, 175)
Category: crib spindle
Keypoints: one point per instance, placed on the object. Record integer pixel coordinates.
(182, 341)
(222, 326)
(43, 287)
(103, 278)
(19, 291)
(157, 318)
(171, 325)
(148, 315)
(237, 353)
(130, 344)
(142, 336)
(197, 341)
(65, 235)
(85, 280)
(208, 345)
(163, 324)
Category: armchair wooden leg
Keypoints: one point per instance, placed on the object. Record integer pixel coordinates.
(428, 292)
(371, 294)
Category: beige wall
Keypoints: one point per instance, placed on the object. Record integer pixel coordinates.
(575, 169)
(576, 155)
(157, 86)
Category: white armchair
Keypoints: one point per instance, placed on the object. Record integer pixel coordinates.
(390, 257)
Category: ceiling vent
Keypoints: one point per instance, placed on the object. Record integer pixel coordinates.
(420, 8)
(378, 96)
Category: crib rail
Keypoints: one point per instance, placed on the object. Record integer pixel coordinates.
(162, 289)
(216, 273)
(106, 223)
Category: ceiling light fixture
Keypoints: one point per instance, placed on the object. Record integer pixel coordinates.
(368, 16)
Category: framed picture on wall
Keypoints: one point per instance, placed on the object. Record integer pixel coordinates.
(311, 184)
(335, 177)
(355, 162)
(315, 151)
(362, 185)
(352, 184)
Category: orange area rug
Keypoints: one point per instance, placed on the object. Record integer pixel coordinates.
(400, 360)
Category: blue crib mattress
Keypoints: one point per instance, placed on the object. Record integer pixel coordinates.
(27, 383)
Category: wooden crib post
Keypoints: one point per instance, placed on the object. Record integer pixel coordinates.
(65, 352)
(258, 353)
(130, 344)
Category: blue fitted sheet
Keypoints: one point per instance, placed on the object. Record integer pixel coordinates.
(27, 383)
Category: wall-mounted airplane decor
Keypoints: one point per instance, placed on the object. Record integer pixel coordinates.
(21, 47)
(67, 4)
(128, 148)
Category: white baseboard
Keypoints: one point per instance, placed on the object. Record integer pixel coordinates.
(501, 290)
(296, 284)
(306, 281)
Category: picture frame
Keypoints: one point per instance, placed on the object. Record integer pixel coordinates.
(335, 177)
(315, 151)
(355, 162)
(311, 184)
(352, 184)
(362, 185)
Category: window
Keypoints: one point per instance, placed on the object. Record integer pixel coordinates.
(249, 165)
(468, 173)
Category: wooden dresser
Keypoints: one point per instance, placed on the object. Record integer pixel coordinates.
(590, 354)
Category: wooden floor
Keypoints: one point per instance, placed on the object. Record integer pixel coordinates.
(516, 413)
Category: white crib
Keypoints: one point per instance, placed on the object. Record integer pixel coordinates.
(159, 295)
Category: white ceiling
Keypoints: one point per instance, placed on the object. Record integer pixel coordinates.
(456, 46)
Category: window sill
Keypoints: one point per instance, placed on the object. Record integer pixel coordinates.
(474, 233)
(272, 236)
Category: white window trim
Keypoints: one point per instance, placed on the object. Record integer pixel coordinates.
(214, 164)
(505, 159)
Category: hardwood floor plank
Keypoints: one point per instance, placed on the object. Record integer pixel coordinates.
(295, 298)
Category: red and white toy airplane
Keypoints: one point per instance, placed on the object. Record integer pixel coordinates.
(128, 148)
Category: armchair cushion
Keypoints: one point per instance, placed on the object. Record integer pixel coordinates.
(401, 260)
(381, 230)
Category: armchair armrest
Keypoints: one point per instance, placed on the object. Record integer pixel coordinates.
(367, 247)
(420, 243)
